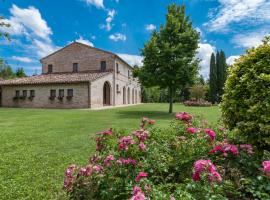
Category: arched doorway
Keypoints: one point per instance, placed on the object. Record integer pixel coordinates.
(124, 95)
(106, 94)
(128, 95)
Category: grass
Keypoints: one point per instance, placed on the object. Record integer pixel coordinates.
(37, 145)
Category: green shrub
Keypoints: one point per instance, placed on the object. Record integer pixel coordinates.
(246, 101)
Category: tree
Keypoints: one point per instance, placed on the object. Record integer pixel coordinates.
(213, 79)
(197, 92)
(169, 56)
(221, 73)
(246, 101)
(6, 71)
(20, 72)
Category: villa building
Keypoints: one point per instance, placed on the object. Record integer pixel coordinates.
(76, 76)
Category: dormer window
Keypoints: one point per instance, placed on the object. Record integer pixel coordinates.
(103, 66)
(50, 69)
(75, 67)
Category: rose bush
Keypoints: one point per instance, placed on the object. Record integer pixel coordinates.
(187, 160)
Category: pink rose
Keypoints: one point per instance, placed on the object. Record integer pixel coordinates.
(140, 176)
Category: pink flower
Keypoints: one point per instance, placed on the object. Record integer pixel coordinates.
(225, 148)
(97, 168)
(124, 142)
(206, 166)
(183, 116)
(140, 176)
(142, 146)
(266, 166)
(191, 130)
(247, 147)
(142, 135)
(210, 133)
(106, 132)
(69, 177)
(128, 161)
(108, 159)
(138, 194)
(99, 146)
(86, 171)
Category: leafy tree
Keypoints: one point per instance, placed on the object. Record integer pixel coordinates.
(6, 71)
(197, 92)
(213, 79)
(246, 100)
(169, 56)
(20, 72)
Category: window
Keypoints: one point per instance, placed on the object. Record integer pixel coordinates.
(32, 93)
(103, 66)
(52, 94)
(61, 93)
(50, 68)
(117, 68)
(17, 93)
(70, 93)
(117, 88)
(24, 94)
(75, 67)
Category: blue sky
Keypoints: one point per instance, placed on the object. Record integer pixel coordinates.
(39, 27)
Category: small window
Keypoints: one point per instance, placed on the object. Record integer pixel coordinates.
(53, 94)
(70, 92)
(32, 93)
(17, 93)
(117, 68)
(75, 67)
(50, 68)
(24, 93)
(103, 66)
(61, 93)
(117, 88)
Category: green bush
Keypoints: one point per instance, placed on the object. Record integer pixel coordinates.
(246, 101)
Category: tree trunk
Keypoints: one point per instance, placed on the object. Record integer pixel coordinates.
(171, 99)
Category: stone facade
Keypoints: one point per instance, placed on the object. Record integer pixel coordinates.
(91, 86)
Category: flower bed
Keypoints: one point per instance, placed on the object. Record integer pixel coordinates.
(200, 103)
(184, 161)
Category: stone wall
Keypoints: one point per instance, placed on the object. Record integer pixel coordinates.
(42, 94)
(87, 58)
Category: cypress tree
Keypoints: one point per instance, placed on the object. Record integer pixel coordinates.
(213, 79)
(221, 73)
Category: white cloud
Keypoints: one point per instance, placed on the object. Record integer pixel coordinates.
(109, 19)
(150, 27)
(131, 59)
(85, 41)
(96, 3)
(22, 59)
(204, 54)
(118, 37)
(28, 23)
(250, 39)
(238, 11)
(231, 60)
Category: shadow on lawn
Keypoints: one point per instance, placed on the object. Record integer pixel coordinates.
(149, 114)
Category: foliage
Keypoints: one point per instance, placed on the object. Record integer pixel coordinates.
(218, 75)
(154, 95)
(246, 102)
(169, 55)
(187, 160)
(6, 71)
(200, 103)
(20, 73)
(197, 92)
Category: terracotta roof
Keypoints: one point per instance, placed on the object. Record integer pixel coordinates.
(55, 78)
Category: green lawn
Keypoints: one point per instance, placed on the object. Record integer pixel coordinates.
(36, 145)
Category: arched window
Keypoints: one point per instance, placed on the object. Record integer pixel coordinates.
(128, 95)
(124, 95)
(106, 94)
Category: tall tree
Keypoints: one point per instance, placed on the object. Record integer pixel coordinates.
(6, 71)
(169, 56)
(221, 70)
(213, 79)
